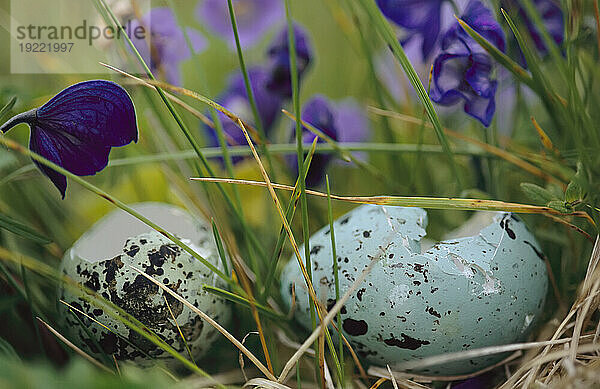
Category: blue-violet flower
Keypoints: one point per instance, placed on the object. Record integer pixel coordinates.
(168, 45)
(342, 122)
(419, 17)
(552, 18)
(77, 128)
(253, 17)
(280, 80)
(235, 99)
(463, 70)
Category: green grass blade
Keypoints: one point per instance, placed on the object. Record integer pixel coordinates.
(98, 301)
(235, 298)
(218, 126)
(550, 44)
(541, 83)
(337, 282)
(9, 224)
(387, 33)
(397, 163)
(289, 214)
(286, 148)
(503, 59)
(219, 243)
(300, 158)
(20, 149)
(250, 93)
(181, 125)
(6, 109)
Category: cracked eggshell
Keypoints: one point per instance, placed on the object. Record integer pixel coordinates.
(460, 294)
(101, 261)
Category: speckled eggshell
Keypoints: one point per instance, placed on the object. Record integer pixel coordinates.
(461, 294)
(116, 281)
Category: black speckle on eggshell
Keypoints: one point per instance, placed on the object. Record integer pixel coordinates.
(406, 342)
(355, 327)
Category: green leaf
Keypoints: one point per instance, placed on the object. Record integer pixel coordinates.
(559, 205)
(16, 227)
(537, 194)
(577, 188)
(573, 193)
(6, 109)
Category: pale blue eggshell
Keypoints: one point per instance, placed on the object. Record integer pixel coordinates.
(460, 294)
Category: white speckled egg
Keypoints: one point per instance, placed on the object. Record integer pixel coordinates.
(460, 294)
(101, 261)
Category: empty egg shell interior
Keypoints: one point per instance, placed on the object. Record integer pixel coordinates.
(106, 238)
(102, 260)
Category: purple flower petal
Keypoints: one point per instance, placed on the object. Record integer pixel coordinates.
(420, 17)
(254, 18)
(168, 45)
(448, 72)
(552, 18)
(78, 158)
(236, 100)
(77, 128)
(463, 71)
(482, 108)
(351, 122)
(95, 112)
(320, 113)
(280, 80)
(478, 75)
(481, 19)
(268, 104)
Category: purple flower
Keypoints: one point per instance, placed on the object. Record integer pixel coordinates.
(343, 122)
(552, 17)
(280, 80)
(77, 128)
(168, 45)
(254, 18)
(419, 17)
(463, 70)
(235, 99)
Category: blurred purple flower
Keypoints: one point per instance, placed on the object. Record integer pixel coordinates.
(463, 70)
(552, 17)
(419, 17)
(343, 122)
(236, 100)
(280, 80)
(77, 128)
(168, 46)
(254, 18)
